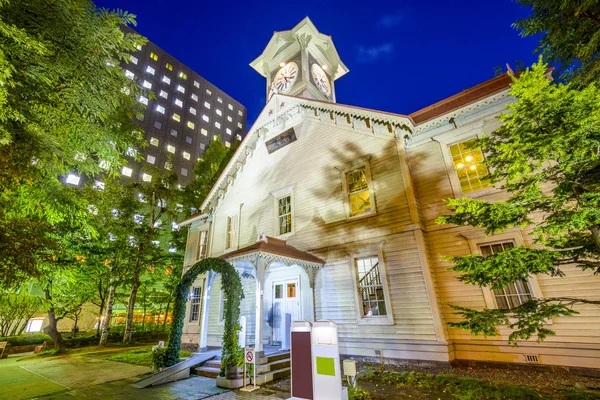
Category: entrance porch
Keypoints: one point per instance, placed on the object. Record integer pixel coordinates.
(277, 281)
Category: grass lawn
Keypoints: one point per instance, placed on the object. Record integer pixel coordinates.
(141, 356)
(18, 383)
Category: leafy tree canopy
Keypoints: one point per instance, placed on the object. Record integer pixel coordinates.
(65, 106)
(570, 34)
(547, 157)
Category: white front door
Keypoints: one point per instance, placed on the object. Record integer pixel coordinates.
(286, 300)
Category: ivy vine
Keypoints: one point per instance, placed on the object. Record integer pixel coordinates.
(232, 355)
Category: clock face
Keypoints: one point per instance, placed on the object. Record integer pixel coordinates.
(285, 78)
(321, 79)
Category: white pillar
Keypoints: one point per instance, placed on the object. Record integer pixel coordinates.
(210, 277)
(258, 331)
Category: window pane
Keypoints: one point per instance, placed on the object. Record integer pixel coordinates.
(358, 192)
(370, 286)
(291, 290)
(278, 291)
(468, 166)
(513, 294)
(285, 214)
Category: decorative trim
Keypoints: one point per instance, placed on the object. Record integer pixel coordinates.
(271, 258)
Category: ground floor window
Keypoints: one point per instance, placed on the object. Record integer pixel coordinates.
(195, 304)
(370, 287)
(513, 294)
(34, 325)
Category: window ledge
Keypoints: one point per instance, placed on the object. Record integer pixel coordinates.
(285, 236)
(376, 321)
(361, 216)
(229, 250)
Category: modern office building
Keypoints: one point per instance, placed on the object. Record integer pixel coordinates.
(186, 114)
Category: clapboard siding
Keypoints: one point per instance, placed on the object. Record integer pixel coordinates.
(432, 183)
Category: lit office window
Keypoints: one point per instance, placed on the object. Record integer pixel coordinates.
(204, 132)
(183, 75)
(186, 155)
(126, 171)
(164, 94)
(171, 149)
(150, 70)
(154, 141)
(169, 66)
(147, 85)
(133, 59)
(228, 131)
(217, 125)
(129, 74)
(192, 111)
(147, 178)
(219, 112)
(160, 109)
(205, 118)
(178, 103)
(143, 100)
(73, 179)
(173, 132)
(194, 97)
(154, 56)
(166, 80)
(176, 117)
(151, 159)
(190, 125)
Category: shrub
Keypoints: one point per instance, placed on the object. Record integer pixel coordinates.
(159, 358)
(27, 339)
(358, 393)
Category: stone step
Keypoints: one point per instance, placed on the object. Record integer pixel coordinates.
(208, 372)
(263, 378)
(273, 357)
(272, 366)
(213, 364)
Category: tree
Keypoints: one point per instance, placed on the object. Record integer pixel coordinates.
(65, 106)
(570, 34)
(206, 172)
(16, 308)
(546, 156)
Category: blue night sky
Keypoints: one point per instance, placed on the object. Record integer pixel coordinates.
(402, 55)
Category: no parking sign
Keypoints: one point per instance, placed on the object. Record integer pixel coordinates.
(249, 355)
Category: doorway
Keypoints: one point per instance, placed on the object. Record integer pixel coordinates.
(286, 300)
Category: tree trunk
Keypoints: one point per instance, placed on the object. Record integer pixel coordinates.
(108, 316)
(101, 306)
(130, 305)
(144, 312)
(52, 328)
(596, 236)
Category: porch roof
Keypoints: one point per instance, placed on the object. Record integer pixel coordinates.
(273, 250)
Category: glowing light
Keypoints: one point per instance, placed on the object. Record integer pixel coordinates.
(282, 64)
(473, 167)
(469, 158)
(460, 165)
(324, 67)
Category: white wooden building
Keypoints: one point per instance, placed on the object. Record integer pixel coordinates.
(328, 212)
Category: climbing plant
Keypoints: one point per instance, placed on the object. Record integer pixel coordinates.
(232, 286)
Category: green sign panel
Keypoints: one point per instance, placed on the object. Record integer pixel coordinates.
(325, 366)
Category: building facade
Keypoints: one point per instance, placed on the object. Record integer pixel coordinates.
(328, 212)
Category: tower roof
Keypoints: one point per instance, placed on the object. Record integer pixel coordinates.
(305, 32)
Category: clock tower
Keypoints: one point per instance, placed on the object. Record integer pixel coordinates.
(301, 62)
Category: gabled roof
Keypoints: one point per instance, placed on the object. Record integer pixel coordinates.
(303, 29)
(274, 250)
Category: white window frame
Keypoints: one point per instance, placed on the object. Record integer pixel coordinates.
(454, 137)
(201, 247)
(231, 245)
(388, 319)
(517, 239)
(195, 301)
(360, 163)
(278, 194)
(222, 300)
